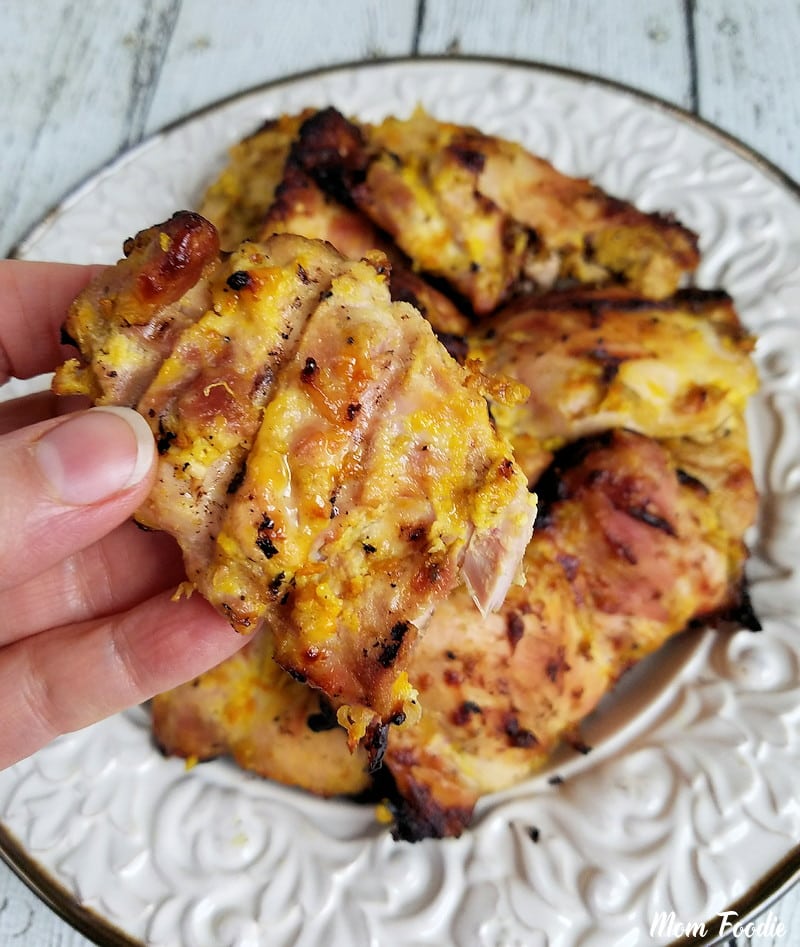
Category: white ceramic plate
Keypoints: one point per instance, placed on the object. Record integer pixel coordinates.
(687, 803)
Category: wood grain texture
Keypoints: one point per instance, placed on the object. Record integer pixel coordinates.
(642, 44)
(749, 74)
(218, 49)
(75, 87)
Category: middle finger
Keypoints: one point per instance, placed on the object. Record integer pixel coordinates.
(115, 573)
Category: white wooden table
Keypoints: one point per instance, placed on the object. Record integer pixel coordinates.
(82, 80)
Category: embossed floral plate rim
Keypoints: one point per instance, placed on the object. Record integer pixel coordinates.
(503, 920)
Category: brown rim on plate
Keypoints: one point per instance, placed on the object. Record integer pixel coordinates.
(55, 896)
(768, 889)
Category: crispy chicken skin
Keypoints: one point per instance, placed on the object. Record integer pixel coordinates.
(600, 359)
(488, 216)
(326, 467)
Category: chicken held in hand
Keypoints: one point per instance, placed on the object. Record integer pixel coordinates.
(327, 469)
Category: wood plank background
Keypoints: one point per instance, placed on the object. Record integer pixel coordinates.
(83, 80)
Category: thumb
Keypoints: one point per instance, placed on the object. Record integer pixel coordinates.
(68, 481)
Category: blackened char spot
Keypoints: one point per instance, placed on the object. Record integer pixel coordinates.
(390, 648)
(309, 369)
(375, 744)
(238, 280)
(609, 364)
(265, 535)
(644, 515)
(580, 746)
(470, 158)
(456, 345)
(164, 439)
(325, 719)
(698, 299)
(418, 815)
(237, 479)
(518, 736)
(741, 612)
(463, 714)
(515, 629)
(332, 150)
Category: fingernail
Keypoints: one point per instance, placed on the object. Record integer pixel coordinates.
(95, 454)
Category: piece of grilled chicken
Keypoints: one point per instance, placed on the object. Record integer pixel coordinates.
(264, 190)
(485, 214)
(600, 359)
(326, 467)
(239, 197)
(628, 550)
(634, 540)
(249, 708)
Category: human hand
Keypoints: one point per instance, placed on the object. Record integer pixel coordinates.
(87, 621)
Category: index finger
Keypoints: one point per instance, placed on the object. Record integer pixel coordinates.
(34, 299)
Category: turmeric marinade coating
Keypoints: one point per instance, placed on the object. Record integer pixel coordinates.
(595, 360)
(327, 468)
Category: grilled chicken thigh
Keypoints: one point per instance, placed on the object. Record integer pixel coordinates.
(485, 214)
(626, 552)
(628, 422)
(251, 709)
(325, 465)
(264, 190)
(600, 359)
